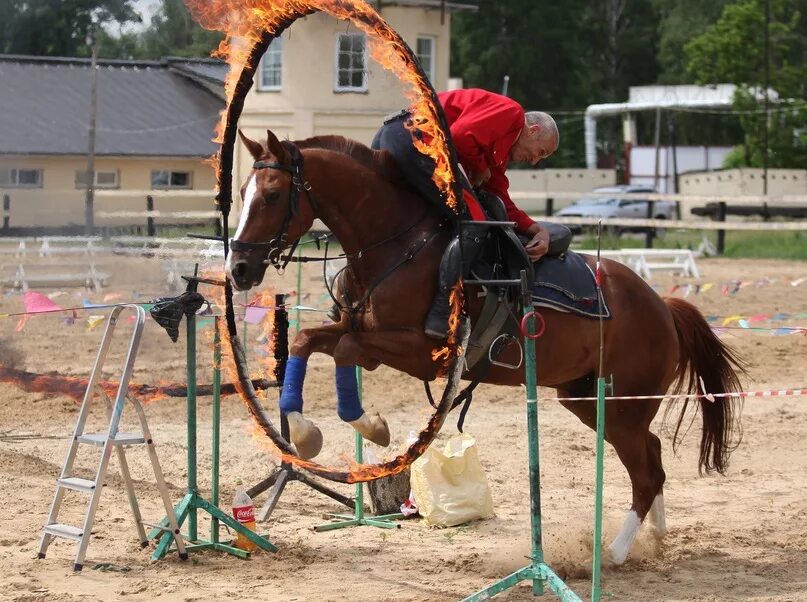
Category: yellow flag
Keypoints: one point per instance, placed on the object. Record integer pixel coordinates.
(93, 321)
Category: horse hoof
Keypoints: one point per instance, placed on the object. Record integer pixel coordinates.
(305, 435)
(615, 557)
(372, 428)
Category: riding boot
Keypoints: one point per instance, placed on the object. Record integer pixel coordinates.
(452, 265)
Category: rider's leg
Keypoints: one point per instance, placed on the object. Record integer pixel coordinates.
(453, 264)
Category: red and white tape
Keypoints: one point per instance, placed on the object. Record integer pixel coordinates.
(771, 393)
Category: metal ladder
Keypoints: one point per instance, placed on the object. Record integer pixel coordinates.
(107, 441)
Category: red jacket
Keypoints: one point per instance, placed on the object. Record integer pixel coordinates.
(484, 126)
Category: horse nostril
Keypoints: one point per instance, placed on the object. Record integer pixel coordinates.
(239, 269)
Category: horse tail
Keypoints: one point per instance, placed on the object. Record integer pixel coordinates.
(706, 365)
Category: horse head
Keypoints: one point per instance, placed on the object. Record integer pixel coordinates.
(273, 218)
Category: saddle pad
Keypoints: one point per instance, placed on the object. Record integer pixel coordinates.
(566, 283)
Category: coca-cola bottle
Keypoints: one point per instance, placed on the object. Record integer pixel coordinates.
(244, 513)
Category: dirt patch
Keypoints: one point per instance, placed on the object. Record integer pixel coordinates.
(738, 537)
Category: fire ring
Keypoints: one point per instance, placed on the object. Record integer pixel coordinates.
(271, 23)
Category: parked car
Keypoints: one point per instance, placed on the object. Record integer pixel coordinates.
(604, 207)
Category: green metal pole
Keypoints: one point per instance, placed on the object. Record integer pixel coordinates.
(300, 300)
(190, 322)
(358, 509)
(214, 470)
(534, 459)
(596, 590)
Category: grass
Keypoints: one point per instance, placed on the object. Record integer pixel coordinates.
(738, 244)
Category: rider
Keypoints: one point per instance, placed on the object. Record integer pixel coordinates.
(489, 131)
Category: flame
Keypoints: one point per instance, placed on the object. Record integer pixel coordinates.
(444, 354)
(244, 21)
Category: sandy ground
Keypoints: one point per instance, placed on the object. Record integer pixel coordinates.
(738, 537)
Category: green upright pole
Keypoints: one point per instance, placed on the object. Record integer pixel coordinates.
(538, 571)
(192, 501)
(300, 300)
(596, 590)
(358, 518)
(216, 436)
(190, 323)
(358, 441)
(534, 459)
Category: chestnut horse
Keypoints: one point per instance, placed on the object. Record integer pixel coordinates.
(394, 241)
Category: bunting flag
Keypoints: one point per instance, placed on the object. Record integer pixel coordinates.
(93, 321)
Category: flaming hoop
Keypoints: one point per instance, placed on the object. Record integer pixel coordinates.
(251, 25)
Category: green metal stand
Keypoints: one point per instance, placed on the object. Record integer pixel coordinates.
(192, 502)
(538, 571)
(596, 568)
(358, 518)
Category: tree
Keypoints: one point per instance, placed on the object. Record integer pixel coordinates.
(678, 22)
(733, 50)
(173, 32)
(57, 27)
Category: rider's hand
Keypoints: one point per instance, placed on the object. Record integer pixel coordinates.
(539, 243)
(480, 178)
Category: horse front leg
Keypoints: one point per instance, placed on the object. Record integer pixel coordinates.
(304, 434)
(407, 351)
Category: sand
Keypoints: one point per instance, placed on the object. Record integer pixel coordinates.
(738, 537)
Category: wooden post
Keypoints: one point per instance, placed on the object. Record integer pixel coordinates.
(721, 234)
(6, 211)
(150, 230)
(550, 209)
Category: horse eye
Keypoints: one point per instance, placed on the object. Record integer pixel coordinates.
(272, 197)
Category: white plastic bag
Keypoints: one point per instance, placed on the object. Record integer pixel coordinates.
(450, 486)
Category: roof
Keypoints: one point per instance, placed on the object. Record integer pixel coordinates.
(145, 108)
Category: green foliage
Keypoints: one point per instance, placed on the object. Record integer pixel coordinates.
(57, 27)
(680, 21)
(173, 32)
(733, 50)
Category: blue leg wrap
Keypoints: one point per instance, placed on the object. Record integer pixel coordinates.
(347, 394)
(291, 399)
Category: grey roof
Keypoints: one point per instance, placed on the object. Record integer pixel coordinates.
(211, 70)
(145, 108)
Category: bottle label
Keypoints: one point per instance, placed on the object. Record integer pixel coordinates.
(244, 514)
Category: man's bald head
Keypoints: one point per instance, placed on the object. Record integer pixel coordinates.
(538, 140)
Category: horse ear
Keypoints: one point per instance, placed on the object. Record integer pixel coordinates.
(274, 146)
(255, 149)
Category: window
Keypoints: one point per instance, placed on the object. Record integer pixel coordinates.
(162, 178)
(351, 62)
(103, 179)
(425, 52)
(271, 74)
(21, 178)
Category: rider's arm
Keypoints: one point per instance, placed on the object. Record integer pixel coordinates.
(498, 185)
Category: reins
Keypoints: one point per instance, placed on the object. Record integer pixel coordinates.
(274, 246)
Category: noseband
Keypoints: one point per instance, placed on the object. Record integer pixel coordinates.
(274, 246)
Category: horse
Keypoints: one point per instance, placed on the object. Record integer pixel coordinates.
(393, 241)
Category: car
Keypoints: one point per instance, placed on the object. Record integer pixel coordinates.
(602, 206)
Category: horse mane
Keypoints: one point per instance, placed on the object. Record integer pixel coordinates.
(381, 162)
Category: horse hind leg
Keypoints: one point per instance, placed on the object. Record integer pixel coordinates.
(640, 453)
(657, 517)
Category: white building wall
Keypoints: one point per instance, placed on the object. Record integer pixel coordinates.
(688, 158)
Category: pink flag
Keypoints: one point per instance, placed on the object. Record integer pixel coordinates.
(37, 302)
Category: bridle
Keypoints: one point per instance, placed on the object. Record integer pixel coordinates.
(274, 246)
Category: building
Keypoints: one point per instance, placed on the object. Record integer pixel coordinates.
(153, 132)
(318, 78)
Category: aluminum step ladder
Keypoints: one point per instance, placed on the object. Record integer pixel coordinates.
(107, 441)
